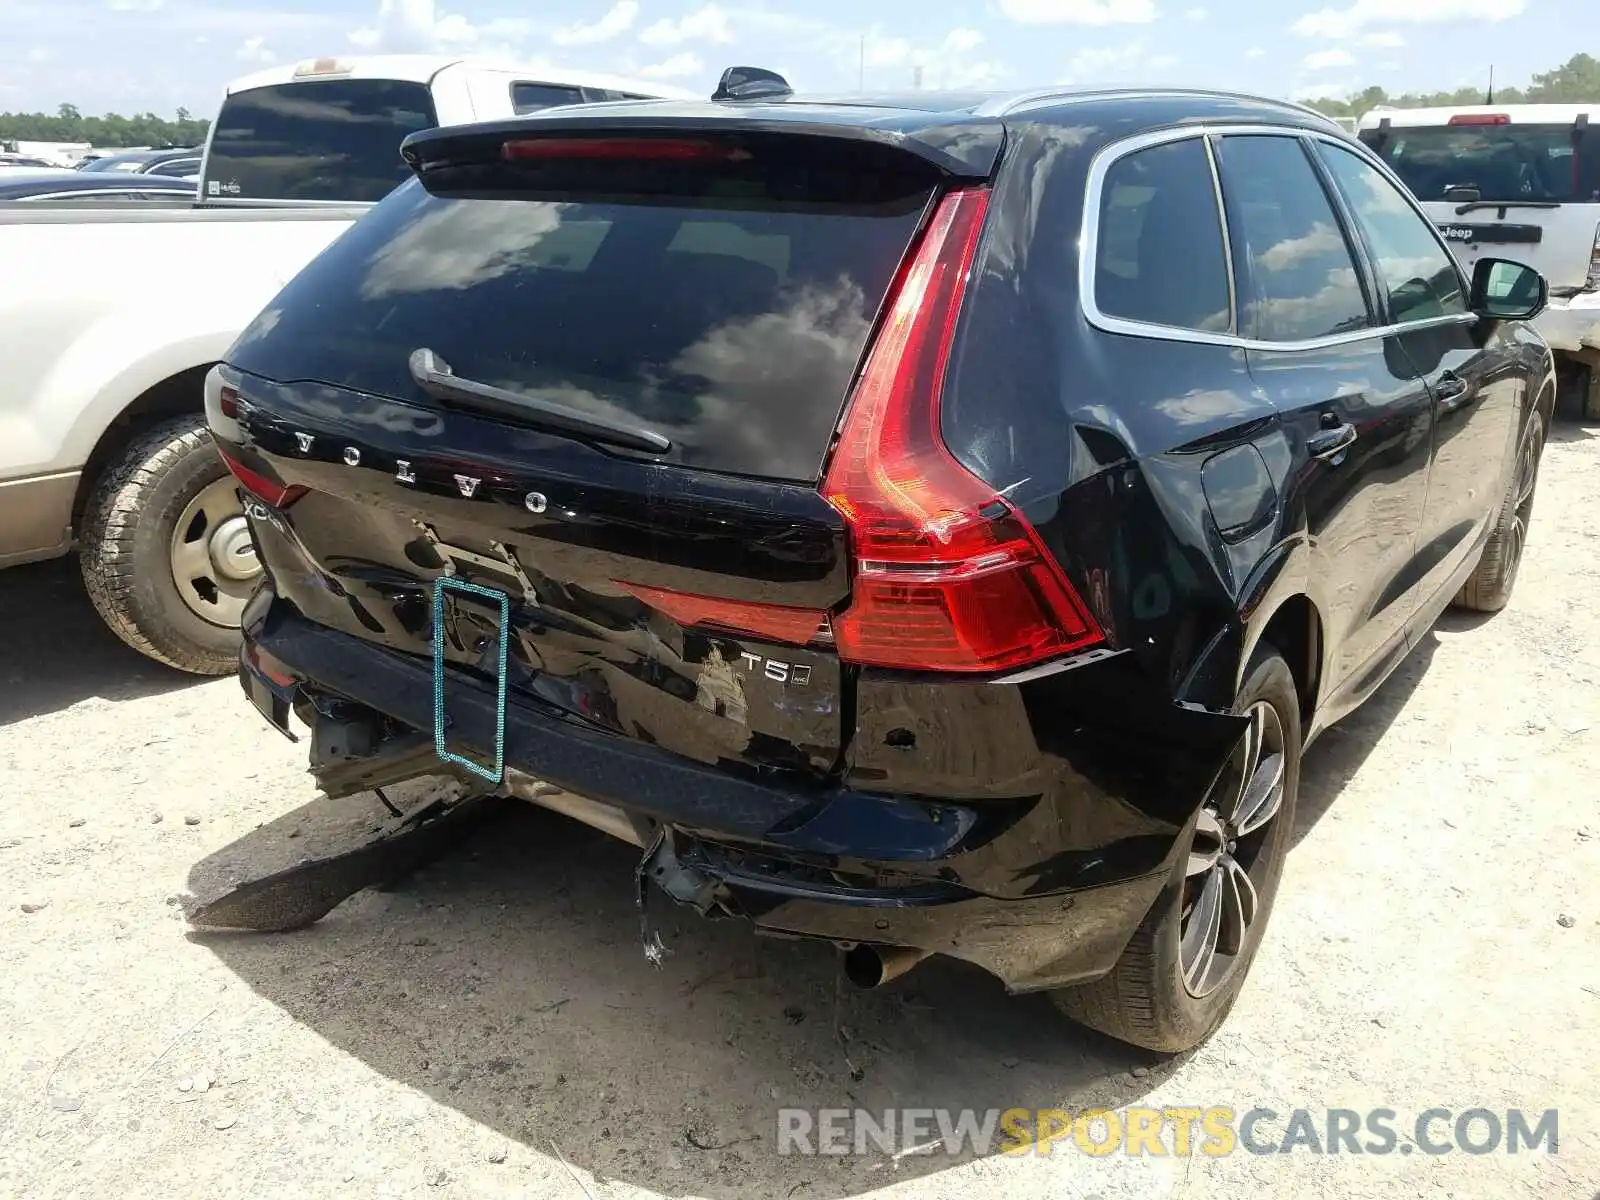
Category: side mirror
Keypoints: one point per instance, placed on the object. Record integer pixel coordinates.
(1503, 290)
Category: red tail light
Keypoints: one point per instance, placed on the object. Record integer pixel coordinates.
(949, 577)
(274, 495)
(774, 622)
(271, 667)
(1480, 119)
(643, 149)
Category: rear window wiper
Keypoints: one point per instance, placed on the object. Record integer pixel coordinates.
(434, 376)
(1475, 205)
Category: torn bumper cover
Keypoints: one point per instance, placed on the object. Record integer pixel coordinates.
(1571, 325)
(1030, 888)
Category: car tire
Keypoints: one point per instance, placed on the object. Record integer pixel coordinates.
(1157, 996)
(131, 549)
(1488, 588)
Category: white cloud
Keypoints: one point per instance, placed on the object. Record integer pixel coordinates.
(675, 67)
(1362, 14)
(1326, 60)
(40, 54)
(403, 25)
(417, 26)
(619, 18)
(951, 65)
(708, 24)
(894, 62)
(134, 5)
(1079, 12)
(1255, 52)
(1333, 89)
(1196, 14)
(1116, 64)
(255, 50)
(1387, 39)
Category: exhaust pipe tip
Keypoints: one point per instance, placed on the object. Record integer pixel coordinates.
(869, 966)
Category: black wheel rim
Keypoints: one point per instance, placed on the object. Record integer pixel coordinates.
(1522, 487)
(1229, 857)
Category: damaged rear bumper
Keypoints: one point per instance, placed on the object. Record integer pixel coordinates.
(997, 882)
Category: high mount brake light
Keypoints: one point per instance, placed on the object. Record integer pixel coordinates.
(949, 577)
(1480, 119)
(274, 495)
(636, 149)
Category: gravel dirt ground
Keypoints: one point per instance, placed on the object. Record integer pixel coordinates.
(489, 1027)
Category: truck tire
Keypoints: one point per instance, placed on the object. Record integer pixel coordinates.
(1165, 993)
(1488, 588)
(165, 551)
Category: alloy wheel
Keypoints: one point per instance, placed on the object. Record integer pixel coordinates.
(1522, 489)
(1229, 856)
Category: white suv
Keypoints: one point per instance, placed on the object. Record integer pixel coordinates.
(1519, 181)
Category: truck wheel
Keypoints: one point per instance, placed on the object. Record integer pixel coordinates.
(1184, 966)
(1488, 588)
(165, 550)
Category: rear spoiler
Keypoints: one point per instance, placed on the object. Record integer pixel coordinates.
(958, 146)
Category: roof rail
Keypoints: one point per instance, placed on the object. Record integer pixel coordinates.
(751, 83)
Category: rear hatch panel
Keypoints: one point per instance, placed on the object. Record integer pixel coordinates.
(725, 305)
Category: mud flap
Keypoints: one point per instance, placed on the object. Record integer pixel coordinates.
(303, 894)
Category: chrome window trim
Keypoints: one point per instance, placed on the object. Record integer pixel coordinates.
(104, 194)
(1089, 245)
(1227, 239)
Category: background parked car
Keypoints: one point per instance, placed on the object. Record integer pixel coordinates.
(23, 160)
(61, 186)
(1519, 181)
(184, 163)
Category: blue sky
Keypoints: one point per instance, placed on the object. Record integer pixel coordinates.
(128, 55)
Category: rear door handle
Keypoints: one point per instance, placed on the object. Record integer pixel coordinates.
(1452, 391)
(1331, 443)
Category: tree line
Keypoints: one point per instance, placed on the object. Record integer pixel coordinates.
(113, 129)
(1574, 82)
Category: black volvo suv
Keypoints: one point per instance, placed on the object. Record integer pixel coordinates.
(932, 524)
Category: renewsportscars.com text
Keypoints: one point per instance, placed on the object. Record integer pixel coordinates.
(1178, 1131)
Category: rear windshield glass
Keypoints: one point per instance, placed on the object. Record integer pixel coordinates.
(323, 140)
(1503, 162)
(731, 327)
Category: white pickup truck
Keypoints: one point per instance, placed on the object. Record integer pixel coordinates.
(1518, 181)
(111, 317)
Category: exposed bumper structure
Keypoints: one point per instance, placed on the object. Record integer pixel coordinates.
(1572, 325)
(843, 865)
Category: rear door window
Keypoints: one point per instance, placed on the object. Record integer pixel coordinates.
(1413, 266)
(1159, 255)
(532, 97)
(732, 323)
(1294, 264)
(324, 140)
(1539, 163)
